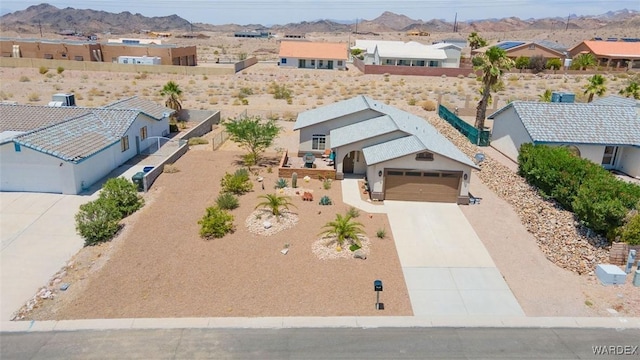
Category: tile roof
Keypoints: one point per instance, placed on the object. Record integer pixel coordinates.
(424, 133)
(613, 48)
(148, 107)
(392, 149)
(362, 130)
(616, 100)
(313, 50)
(509, 46)
(72, 133)
(80, 137)
(577, 123)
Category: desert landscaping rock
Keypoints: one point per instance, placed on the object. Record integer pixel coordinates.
(326, 248)
(257, 224)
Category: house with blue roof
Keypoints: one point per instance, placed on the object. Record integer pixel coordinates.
(66, 149)
(402, 156)
(606, 131)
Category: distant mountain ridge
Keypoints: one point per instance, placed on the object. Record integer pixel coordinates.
(53, 19)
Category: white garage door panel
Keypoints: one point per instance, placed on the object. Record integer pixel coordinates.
(33, 178)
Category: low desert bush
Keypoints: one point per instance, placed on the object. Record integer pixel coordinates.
(24, 79)
(43, 70)
(326, 184)
(60, 70)
(170, 169)
(353, 212)
(97, 221)
(198, 141)
(381, 233)
(281, 183)
(237, 183)
(34, 97)
(124, 194)
(227, 201)
(428, 105)
(216, 223)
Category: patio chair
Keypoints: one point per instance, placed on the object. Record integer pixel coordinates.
(326, 154)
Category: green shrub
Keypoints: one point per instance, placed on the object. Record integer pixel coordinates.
(354, 247)
(198, 141)
(227, 201)
(237, 183)
(24, 79)
(381, 233)
(325, 200)
(281, 183)
(60, 70)
(249, 159)
(123, 194)
(326, 184)
(43, 70)
(630, 232)
(97, 221)
(597, 207)
(353, 212)
(216, 223)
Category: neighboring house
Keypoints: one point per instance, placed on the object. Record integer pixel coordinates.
(516, 49)
(461, 43)
(402, 155)
(610, 53)
(67, 149)
(605, 134)
(412, 53)
(313, 55)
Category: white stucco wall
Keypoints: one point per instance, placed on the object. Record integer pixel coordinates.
(409, 162)
(453, 58)
(294, 62)
(325, 127)
(508, 134)
(629, 161)
(31, 170)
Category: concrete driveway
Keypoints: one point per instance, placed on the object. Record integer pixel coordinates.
(446, 267)
(38, 237)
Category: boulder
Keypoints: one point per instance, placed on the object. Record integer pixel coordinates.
(359, 254)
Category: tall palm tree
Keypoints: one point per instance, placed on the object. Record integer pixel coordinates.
(343, 228)
(545, 96)
(172, 90)
(493, 63)
(632, 90)
(275, 203)
(595, 86)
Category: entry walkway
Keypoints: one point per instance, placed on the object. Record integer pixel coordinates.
(447, 270)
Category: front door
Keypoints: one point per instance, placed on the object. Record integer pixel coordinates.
(330, 64)
(609, 157)
(348, 163)
(302, 63)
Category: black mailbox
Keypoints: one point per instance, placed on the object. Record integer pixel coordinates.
(377, 285)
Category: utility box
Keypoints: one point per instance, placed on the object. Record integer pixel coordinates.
(563, 97)
(610, 274)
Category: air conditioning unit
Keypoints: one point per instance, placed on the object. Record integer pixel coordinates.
(64, 99)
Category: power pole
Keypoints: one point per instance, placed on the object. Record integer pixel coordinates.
(455, 23)
(40, 26)
(356, 26)
(567, 27)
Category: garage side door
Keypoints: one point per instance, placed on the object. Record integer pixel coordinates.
(431, 186)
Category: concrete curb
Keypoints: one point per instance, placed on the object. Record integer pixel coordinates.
(322, 322)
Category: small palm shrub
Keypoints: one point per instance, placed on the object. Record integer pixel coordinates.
(227, 201)
(325, 200)
(344, 229)
(24, 79)
(326, 184)
(281, 183)
(216, 223)
(381, 233)
(237, 183)
(275, 203)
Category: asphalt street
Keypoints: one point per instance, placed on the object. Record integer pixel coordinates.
(323, 343)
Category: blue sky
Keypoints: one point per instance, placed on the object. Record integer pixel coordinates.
(268, 12)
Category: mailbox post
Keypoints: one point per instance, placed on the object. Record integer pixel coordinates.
(377, 287)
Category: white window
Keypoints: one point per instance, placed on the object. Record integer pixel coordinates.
(389, 62)
(319, 63)
(313, 63)
(318, 142)
(124, 143)
(339, 62)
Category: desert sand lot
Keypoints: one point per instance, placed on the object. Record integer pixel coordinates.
(159, 267)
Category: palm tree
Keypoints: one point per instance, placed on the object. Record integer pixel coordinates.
(343, 228)
(583, 61)
(545, 96)
(274, 203)
(632, 90)
(595, 86)
(172, 90)
(475, 41)
(493, 63)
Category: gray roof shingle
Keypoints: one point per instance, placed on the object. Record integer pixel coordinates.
(423, 132)
(362, 130)
(148, 107)
(577, 123)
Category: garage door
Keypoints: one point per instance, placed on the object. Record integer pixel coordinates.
(412, 185)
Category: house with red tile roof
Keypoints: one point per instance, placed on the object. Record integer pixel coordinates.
(610, 53)
(313, 55)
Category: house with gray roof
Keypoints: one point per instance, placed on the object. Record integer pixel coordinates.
(402, 156)
(66, 149)
(606, 132)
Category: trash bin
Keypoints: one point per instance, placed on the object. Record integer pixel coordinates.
(138, 179)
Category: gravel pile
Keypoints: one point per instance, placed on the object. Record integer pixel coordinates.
(559, 235)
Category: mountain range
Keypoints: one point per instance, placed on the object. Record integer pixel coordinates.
(49, 18)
